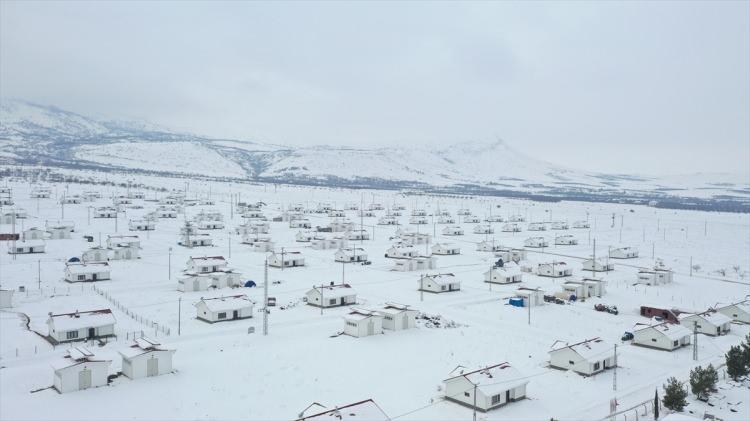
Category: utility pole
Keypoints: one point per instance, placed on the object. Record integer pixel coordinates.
(529, 306)
(695, 341)
(179, 316)
(265, 298)
(691, 266)
(170, 263)
(475, 402)
(614, 372)
(282, 258)
(39, 273)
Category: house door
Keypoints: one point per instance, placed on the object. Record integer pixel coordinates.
(343, 302)
(84, 379)
(92, 332)
(196, 285)
(507, 396)
(152, 367)
(236, 314)
(93, 277)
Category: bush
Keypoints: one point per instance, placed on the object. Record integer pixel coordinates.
(736, 364)
(675, 395)
(703, 381)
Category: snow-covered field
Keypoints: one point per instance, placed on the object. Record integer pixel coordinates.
(224, 372)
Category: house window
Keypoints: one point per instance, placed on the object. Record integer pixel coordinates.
(597, 365)
(442, 287)
(497, 399)
(72, 334)
(570, 362)
(675, 343)
(221, 315)
(332, 301)
(467, 394)
(81, 277)
(653, 339)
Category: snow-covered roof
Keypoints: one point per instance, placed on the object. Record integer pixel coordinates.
(82, 319)
(75, 356)
(715, 319)
(494, 379)
(83, 268)
(208, 260)
(336, 291)
(233, 302)
(588, 349)
(359, 314)
(442, 278)
(365, 410)
(671, 331)
(141, 346)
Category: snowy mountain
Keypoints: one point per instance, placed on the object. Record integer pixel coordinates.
(44, 135)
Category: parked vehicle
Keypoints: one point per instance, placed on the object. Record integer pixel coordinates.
(627, 336)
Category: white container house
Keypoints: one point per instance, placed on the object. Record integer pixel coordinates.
(305, 236)
(33, 233)
(503, 275)
(565, 240)
(484, 229)
(26, 247)
(559, 225)
(537, 226)
(600, 265)
(331, 295)
(666, 336)
(510, 255)
(220, 309)
(511, 227)
(536, 242)
(6, 298)
(401, 252)
(358, 235)
(87, 272)
(587, 358)
(287, 259)
(80, 325)
(581, 224)
(495, 386)
(708, 323)
(328, 243)
(623, 253)
(489, 246)
(359, 323)
(146, 358)
(388, 220)
(398, 316)
(446, 249)
(141, 225)
(105, 213)
(300, 223)
(59, 233)
(123, 241)
(409, 264)
(739, 311)
(453, 230)
(441, 282)
(350, 255)
(554, 270)
(471, 219)
(80, 369)
(655, 276)
(208, 224)
(531, 296)
(366, 410)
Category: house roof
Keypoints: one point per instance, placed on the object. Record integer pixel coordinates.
(442, 277)
(494, 379)
(366, 410)
(82, 319)
(208, 260)
(714, 318)
(76, 355)
(671, 331)
(359, 314)
(142, 346)
(335, 291)
(588, 349)
(233, 302)
(83, 268)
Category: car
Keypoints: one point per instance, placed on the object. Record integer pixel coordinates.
(271, 302)
(627, 336)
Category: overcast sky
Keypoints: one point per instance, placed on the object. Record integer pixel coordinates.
(652, 87)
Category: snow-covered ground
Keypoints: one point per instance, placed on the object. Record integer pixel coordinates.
(224, 372)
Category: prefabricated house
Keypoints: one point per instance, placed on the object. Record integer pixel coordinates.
(287, 259)
(600, 265)
(328, 243)
(446, 220)
(661, 312)
(593, 287)
(254, 214)
(341, 226)
(41, 193)
(559, 225)
(95, 254)
(531, 296)
(511, 227)
(419, 212)
(463, 212)
(581, 224)
(418, 220)
(565, 240)
(305, 236)
(32, 234)
(376, 206)
(739, 312)
(80, 369)
(398, 316)
(123, 252)
(105, 213)
(87, 272)
(221, 309)
(141, 225)
(471, 219)
(494, 218)
(226, 278)
(71, 200)
(363, 213)
(554, 270)
(503, 275)
(23, 247)
(6, 298)
(441, 282)
(359, 323)
(454, 230)
(588, 357)
(708, 323)
(665, 335)
(409, 264)
(387, 220)
(366, 410)
(350, 254)
(336, 213)
(208, 224)
(123, 241)
(495, 386)
(358, 235)
(195, 240)
(488, 246)
(300, 223)
(259, 244)
(483, 229)
(206, 264)
(445, 249)
(510, 255)
(414, 238)
(121, 200)
(331, 295)
(166, 213)
(59, 232)
(623, 253)
(80, 325)
(537, 226)
(536, 242)
(146, 358)
(656, 276)
(400, 252)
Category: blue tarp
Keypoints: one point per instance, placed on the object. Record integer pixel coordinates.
(250, 284)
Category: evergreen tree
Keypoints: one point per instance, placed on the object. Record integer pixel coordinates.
(746, 351)
(700, 382)
(675, 395)
(736, 366)
(712, 377)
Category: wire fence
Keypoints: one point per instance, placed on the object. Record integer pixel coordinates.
(145, 321)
